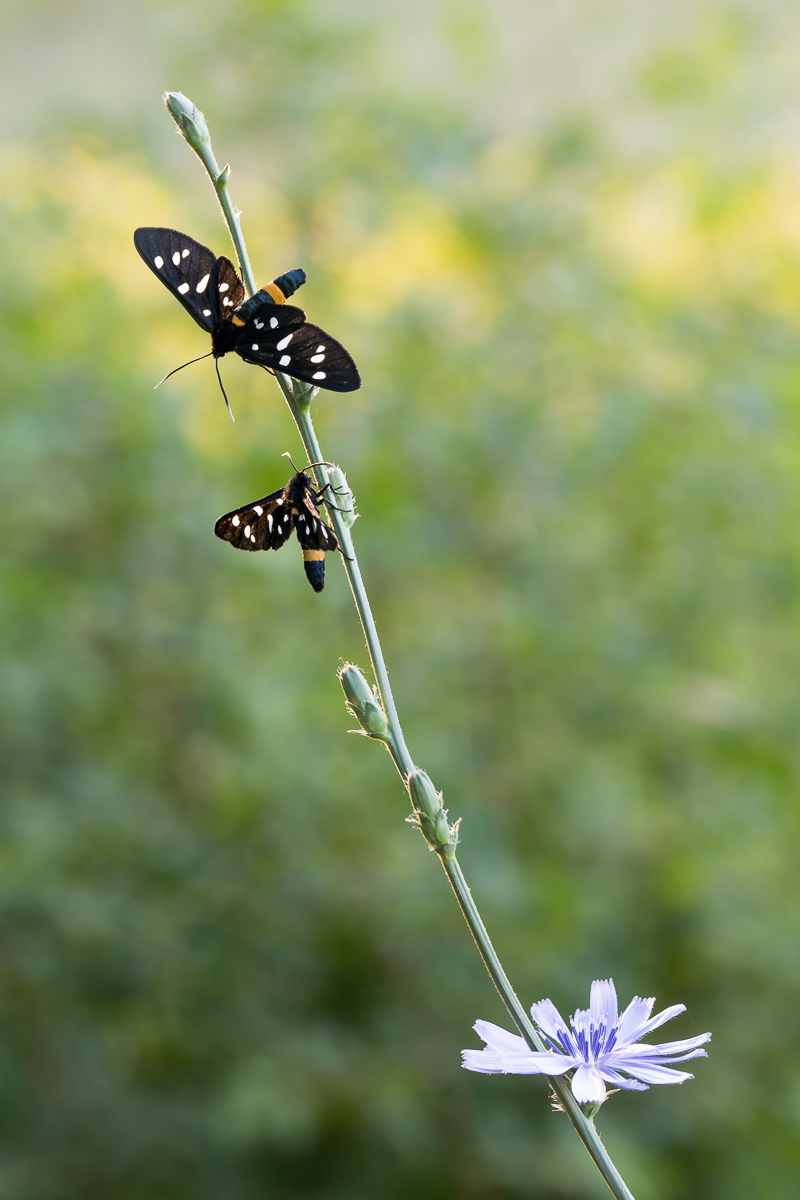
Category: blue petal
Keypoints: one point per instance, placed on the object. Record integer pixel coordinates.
(500, 1039)
(654, 1073)
(634, 1018)
(603, 1003)
(550, 1021)
(482, 1060)
(659, 1019)
(671, 1047)
(587, 1086)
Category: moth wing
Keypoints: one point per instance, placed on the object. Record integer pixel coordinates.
(183, 266)
(263, 525)
(312, 532)
(229, 290)
(278, 336)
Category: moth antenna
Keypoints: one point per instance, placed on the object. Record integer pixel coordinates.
(286, 454)
(224, 393)
(180, 368)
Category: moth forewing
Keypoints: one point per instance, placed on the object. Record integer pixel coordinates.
(263, 525)
(183, 265)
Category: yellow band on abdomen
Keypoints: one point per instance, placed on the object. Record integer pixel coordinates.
(275, 292)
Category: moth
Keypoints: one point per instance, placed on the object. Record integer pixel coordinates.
(262, 330)
(267, 523)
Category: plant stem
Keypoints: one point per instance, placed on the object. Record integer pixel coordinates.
(395, 743)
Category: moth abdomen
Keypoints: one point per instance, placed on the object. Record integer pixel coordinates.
(314, 563)
(277, 292)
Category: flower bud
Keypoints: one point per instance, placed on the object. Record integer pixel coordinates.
(363, 701)
(189, 120)
(424, 795)
(342, 497)
(429, 815)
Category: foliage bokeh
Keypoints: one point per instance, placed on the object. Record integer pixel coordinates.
(229, 969)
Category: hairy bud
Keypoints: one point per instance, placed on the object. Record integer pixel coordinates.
(342, 497)
(189, 119)
(363, 702)
(429, 815)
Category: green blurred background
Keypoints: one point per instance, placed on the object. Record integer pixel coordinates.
(563, 243)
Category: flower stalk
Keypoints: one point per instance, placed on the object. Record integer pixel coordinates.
(429, 815)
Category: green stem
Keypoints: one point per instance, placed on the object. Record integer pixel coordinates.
(300, 409)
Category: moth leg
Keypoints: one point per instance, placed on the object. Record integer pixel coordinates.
(329, 503)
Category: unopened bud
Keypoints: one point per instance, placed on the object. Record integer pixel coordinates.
(429, 815)
(424, 795)
(342, 497)
(189, 120)
(363, 701)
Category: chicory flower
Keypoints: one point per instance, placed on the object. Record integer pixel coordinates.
(598, 1044)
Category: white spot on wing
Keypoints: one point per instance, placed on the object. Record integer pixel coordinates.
(223, 287)
(284, 342)
(228, 303)
(235, 521)
(318, 358)
(258, 510)
(258, 324)
(254, 346)
(319, 375)
(203, 284)
(285, 360)
(273, 322)
(176, 258)
(183, 289)
(269, 521)
(185, 254)
(320, 349)
(158, 260)
(252, 537)
(206, 312)
(247, 531)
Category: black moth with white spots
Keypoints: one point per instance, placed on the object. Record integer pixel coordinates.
(262, 330)
(268, 523)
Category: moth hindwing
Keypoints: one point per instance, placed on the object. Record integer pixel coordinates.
(267, 523)
(263, 329)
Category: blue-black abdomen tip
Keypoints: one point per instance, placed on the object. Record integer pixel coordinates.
(291, 281)
(315, 573)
